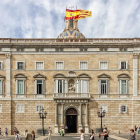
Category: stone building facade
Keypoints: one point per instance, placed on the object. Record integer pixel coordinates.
(71, 77)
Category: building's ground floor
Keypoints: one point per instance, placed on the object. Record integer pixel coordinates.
(76, 114)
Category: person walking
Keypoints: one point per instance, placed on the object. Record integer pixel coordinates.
(15, 131)
(1, 132)
(82, 135)
(50, 131)
(92, 135)
(135, 128)
(132, 135)
(18, 137)
(33, 135)
(105, 134)
(105, 127)
(66, 129)
(28, 136)
(6, 132)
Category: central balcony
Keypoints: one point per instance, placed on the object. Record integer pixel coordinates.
(71, 96)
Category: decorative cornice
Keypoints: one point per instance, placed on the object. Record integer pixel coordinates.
(8, 55)
(136, 55)
(103, 76)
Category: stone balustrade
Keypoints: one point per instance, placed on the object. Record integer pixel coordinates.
(75, 40)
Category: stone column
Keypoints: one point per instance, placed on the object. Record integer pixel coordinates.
(86, 120)
(56, 118)
(62, 115)
(135, 74)
(8, 74)
(80, 116)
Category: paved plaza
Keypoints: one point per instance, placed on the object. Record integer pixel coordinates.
(76, 137)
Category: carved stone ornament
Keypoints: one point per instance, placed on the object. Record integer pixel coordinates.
(71, 88)
(71, 111)
(135, 55)
(8, 55)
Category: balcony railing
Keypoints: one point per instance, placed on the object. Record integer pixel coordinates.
(71, 96)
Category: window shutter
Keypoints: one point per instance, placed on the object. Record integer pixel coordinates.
(66, 86)
(126, 108)
(127, 87)
(119, 64)
(56, 86)
(43, 86)
(35, 86)
(107, 87)
(99, 86)
(24, 87)
(79, 86)
(87, 86)
(1, 65)
(126, 64)
(16, 87)
(2, 86)
(23, 65)
(120, 86)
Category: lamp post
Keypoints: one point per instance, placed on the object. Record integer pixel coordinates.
(42, 116)
(101, 114)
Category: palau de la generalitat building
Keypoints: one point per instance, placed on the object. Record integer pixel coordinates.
(71, 77)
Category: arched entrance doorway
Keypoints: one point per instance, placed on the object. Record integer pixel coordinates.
(72, 120)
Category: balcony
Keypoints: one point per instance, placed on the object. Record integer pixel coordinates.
(71, 96)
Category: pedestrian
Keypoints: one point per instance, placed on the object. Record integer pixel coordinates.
(82, 135)
(132, 135)
(105, 134)
(15, 131)
(50, 131)
(66, 129)
(1, 132)
(135, 128)
(92, 135)
(18, 137)
(33, 135)
(6, 132)
(28, 136)
(105, 127)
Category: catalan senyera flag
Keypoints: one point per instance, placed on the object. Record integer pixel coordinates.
(77, 14)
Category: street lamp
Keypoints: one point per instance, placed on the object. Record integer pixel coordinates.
(101, 114)
(42, 116)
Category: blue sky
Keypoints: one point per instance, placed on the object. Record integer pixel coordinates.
(45, 18)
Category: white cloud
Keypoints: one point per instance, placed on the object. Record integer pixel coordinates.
(45, 18)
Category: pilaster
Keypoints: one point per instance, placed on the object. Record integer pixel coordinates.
(135, 74)
(8, 74)
(86, 120)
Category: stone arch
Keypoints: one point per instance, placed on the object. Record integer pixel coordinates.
(71, 107)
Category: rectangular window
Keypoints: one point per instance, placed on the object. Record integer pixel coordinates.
(39, 108)
(83, 65)
(104, 107)
(20, 65)
(123, 108)
(59, 86)
(59, 65)
(103, 86)
(20, 86)
(123, 87)
(39, 86)
(123, 65)
(1, 65)
(39, 65)
(1, 87)
(20, 108)
(104, 65)
(0, 108)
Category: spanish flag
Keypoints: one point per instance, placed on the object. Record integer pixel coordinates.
(77, 14)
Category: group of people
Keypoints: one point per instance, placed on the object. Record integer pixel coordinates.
(63, 130)
(6, 132)
(28, 136)
(137, 129)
